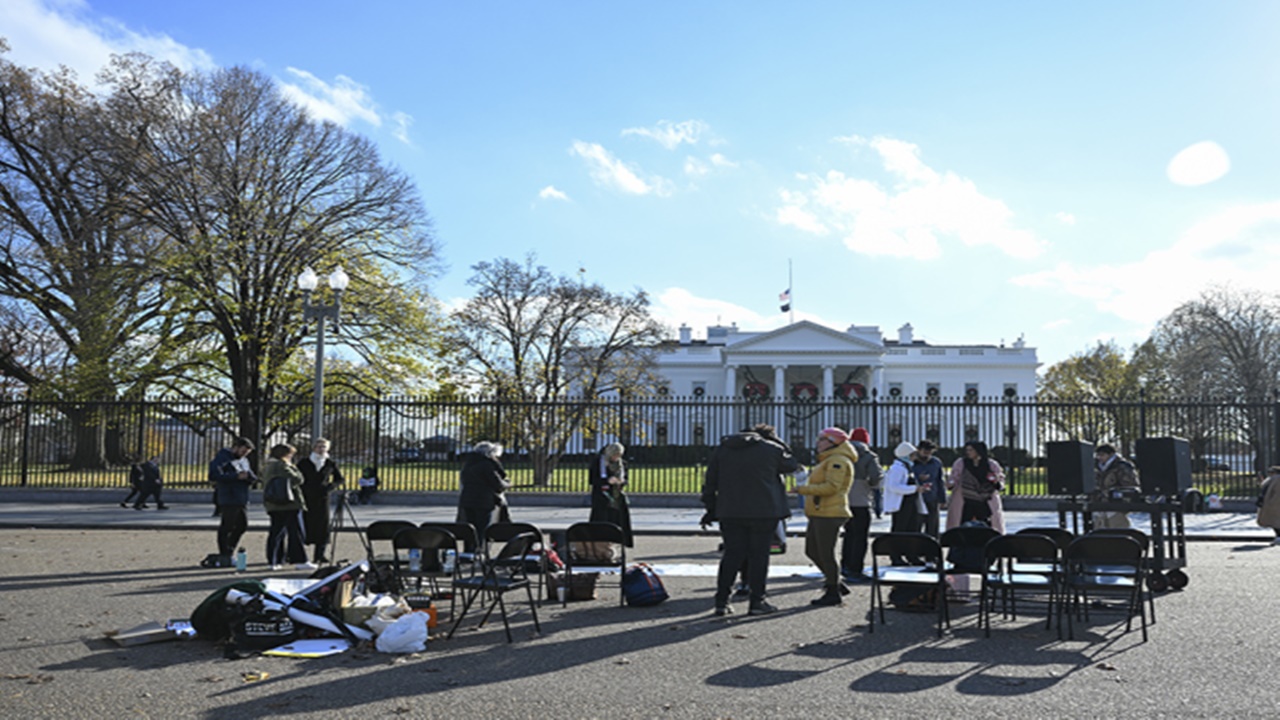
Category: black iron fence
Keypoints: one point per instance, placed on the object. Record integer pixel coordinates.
(416, 444)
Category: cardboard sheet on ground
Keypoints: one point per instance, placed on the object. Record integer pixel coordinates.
(319, 648)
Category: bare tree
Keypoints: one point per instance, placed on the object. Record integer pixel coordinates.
(536, 341)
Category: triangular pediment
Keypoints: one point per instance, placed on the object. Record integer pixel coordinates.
(805, 336)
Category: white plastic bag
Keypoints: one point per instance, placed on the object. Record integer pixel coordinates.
(406, 635)
(386, 614)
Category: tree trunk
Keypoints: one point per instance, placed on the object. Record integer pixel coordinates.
(89, 435)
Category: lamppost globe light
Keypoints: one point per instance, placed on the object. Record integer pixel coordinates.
(308, 280)
(339, 280)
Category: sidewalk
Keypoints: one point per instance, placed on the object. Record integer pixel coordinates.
(96, 513)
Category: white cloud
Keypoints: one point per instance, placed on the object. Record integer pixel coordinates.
(1065, 218)
(695, 167)
(340, 102)
(49, 33)
(675, 305)
(609, 171)
(1056, 324)
(908, 219)
(402, 122)
(670, 135)
(1199, 164)
(721, 161)
(551, 193)
(1240, 244)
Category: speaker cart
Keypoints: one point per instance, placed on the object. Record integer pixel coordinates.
(1168, 536)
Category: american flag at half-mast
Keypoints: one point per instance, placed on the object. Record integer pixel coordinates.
(785, 298)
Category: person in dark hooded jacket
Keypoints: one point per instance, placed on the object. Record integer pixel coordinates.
(484, 484)
(743, 491)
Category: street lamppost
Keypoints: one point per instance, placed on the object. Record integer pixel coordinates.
(307, 282)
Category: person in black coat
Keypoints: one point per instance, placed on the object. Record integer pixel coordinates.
(608, 501)
(483, 487)
(320, 475)
(149, 483)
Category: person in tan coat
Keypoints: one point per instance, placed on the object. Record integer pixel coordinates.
(1269, 501)
(826, 505)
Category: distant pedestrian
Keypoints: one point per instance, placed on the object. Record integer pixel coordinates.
(285, 539)
(320, 476)
(1269, 502)
(608, 490)
(1112, 473)
(150, 483)
(135, 482)
(868, 475)
(826, 505)
(928, 471)
(976, 481)
(230, 474)
(483, 481)
(368, 484)
(743, 491)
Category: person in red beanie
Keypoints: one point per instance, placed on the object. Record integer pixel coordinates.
(867, 475)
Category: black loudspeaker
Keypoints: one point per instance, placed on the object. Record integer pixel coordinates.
(1070, 468)
(1164, 465)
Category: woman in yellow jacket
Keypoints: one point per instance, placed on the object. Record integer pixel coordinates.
(826, 505)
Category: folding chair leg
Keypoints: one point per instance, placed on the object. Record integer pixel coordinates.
(533, 608)
(466, 605)
(505, 623)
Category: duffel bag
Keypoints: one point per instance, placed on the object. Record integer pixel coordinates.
(641, 586)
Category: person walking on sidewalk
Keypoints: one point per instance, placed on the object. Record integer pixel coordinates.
(867, 476)
(320, 475)
(826, 505)
(230, 474)
(149, 483)
(285, 539)
(743, 491)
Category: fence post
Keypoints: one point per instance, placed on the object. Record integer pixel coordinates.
(875, 415)
(26, 439)
(1009, 435)
(377, 429)
(1274, 450)
(1142, 412)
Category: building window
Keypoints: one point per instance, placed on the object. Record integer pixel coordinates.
(589, 442)
(895, 435)
(934, 434)
(1011, 390)
(933, 392)
(699, 434)
(699, 388)
(895, 390)
(660, 430)
(971, 392)
(971, 433)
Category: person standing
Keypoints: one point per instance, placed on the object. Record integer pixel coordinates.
(368, 484)
(742, 490)
(285, 538)
(320, 475)
(149, 483)
(1269, 502)
(902, 493)
(826, 505)
(1112, 472)
(608, 499)
(867, 477)
(927, 471)
(976, 481)
(230, 474)
(483, 487)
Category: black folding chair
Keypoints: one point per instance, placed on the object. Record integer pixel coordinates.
(383, 563)
(535, 560)
(594, 532)
(1145, 541)
(1103, 564)
(430, 544)
(466, 536)
(929, 575)
(499, 575)
(1008, 557)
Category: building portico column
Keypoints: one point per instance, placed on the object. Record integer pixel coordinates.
(877, 379)
(828, 381)
(731, 381)
(779, 379)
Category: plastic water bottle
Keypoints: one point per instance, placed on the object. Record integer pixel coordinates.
(450, 557)
(242, 560)
(415, 560)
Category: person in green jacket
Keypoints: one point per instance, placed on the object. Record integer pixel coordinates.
(285, 538)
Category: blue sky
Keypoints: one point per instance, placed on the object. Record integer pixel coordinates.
(1069, 172)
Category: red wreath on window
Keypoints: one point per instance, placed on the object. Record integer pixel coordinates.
(804, 392)
(755, 391)
(851, 391)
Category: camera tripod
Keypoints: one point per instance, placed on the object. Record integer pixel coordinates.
(341, 513)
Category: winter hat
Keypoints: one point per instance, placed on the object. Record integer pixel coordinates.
(904, 449)
(835, 434)
(860, 435)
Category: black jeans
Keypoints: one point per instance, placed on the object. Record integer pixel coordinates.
(231, 529)
(745, 540)
(907, 518)
(286, 525)
(853, 554)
